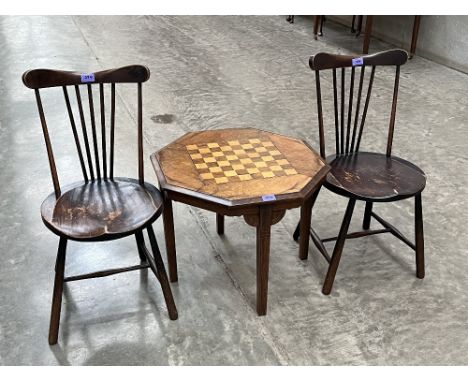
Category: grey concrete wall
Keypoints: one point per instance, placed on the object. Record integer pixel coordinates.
(441, 38)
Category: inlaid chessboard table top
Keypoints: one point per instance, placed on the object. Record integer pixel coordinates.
(239, 165)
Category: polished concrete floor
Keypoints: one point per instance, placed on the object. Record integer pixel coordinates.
(210, 73)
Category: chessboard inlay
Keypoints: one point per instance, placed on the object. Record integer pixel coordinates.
(239, 160)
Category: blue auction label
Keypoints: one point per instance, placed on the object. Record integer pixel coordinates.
(268, 198)
(89, 77)
(358, 61)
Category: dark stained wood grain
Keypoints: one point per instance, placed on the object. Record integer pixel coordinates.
(370, 177)
(263, 257)
(419, 235)
(58, 289)
(102, 210)
(169, 233)
(374, 177)
(304, 227)
(176, 168)
(338, 249)
(46, 78)
(321, 61)
(220, 224)
(297, 174)
(101, 207)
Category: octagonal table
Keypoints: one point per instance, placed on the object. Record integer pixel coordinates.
(240, 172)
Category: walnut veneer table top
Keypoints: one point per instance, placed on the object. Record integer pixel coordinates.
(239, 166)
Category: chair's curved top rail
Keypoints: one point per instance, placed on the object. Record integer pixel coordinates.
(321, 61)
(47, 78)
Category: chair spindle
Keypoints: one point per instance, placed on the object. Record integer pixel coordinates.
(93, 127)
(141, 176)
(393, 112)
(50, 154)
(320, 115)
(75, 133)
(112, 129)
(103, 130)
(366, 106)
(350, 108)
(335, 105)
(85, 133)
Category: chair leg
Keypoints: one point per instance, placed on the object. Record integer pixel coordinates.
(305, 212)
(297, 231)
(162, 275)
(335, 260)
(140, 242)
(58, 290)
(352, 25)
(367, 216)
(420, 268)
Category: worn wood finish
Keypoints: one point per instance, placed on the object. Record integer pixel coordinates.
(238, 172)
(106, 210)
(393, 57)
(46, 78)
(370, 177)
(241, 166)
(374, 177)
(100, 207)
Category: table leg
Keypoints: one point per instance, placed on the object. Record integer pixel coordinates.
(169, 235)
(263, 257)
(367, 33)
(220, 224)
(317, 20)
(359, 25)
(414, 38)
(304, 224)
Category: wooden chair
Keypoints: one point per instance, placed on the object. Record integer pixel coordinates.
(366, 176)
(101, 207)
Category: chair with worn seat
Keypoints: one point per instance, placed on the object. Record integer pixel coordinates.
(100, 207)
(362, 176)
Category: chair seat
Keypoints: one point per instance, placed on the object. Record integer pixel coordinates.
(374, 177)
(102, 210)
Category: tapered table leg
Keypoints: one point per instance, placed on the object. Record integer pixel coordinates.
(220, 224)
(263, 257)
(169, 235)
(304, 225)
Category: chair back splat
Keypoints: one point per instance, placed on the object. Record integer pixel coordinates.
(92, 166)
(349, 128)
